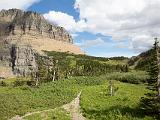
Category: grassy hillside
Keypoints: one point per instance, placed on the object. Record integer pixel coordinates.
(61, 55)
(142, 61)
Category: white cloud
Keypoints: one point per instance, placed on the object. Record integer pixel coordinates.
(20, 4)
(135, 20)
(66, 21)
(91, 43)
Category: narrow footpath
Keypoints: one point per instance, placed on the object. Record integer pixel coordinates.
(74, 108)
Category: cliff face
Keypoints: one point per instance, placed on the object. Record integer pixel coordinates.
(17, 22)
(5, 61)
(17, 60)
(23, 60)
(23, 35)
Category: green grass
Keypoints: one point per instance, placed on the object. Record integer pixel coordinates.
(20, 100)
(95, 102)
(124, 105)
(56, 114)
(10, 81)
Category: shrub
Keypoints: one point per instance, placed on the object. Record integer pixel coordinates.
(83, 80)
(19, 83)
(2, 83)
(134, 77)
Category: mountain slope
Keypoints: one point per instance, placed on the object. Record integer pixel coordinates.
(24, 36)
(142, 61)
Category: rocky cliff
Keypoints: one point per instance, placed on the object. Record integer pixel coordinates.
(23, 35)
(17, 22)
(23, 60)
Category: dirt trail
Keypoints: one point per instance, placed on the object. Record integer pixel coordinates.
(17, 117)
(72, 107)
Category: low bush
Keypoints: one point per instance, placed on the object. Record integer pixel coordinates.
(2, 83)
(134, 77)
(88, 81)
(19, 83)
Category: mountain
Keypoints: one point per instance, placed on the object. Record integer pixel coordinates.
(26, 34)
(19, 27)
(142, 61)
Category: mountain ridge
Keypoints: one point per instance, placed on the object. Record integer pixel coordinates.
(27, 21)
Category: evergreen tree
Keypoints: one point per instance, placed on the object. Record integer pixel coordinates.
(151, 103)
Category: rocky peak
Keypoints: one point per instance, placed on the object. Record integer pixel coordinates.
(15, 21)
(19, 17)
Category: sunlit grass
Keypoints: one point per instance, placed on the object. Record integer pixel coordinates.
(56, 114)
(23, 99)
(124, 105)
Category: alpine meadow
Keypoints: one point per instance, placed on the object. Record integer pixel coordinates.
(79, 60)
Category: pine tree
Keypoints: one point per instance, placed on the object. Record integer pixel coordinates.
(151, 103)
(153, 70)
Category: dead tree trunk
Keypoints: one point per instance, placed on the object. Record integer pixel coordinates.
(54, 75)
(111, 88)
(37, 79)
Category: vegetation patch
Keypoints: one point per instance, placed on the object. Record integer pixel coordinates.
(23, 99)
(124, 105)
(134, 77)
(56, 114)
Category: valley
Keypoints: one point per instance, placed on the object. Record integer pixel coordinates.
(45, 76)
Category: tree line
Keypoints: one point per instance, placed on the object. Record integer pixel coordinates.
(51, 68)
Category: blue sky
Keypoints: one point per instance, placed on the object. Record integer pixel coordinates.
(67, 6)
(101, 27)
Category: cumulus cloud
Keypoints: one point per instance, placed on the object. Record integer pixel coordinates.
(135, 20)
(91, 43)
(21, 4)
(66, 21)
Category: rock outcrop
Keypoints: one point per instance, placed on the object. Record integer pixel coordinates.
(23, 60)
(5, 61)
(23, 35)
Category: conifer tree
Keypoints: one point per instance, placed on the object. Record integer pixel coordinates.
(151, 103)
